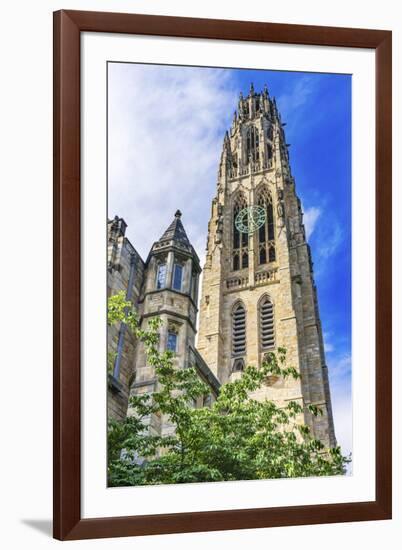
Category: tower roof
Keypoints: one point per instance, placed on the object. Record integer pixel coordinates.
(175, 236)
(176, 231)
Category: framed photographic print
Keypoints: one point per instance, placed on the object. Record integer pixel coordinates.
(222, 332)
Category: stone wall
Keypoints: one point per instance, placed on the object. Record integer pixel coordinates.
(125, 273)
(177, 310)
(288, 280)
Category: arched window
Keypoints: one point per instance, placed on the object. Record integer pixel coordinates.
(172, 338)
(171, 343)
(266, 233)
(177, 276)
(207, 401)
(267, 324)
(270, 133)
(252, 144)
(239, 330)
(161, 276)
(240, 240)
(269, 151)
(238, 365)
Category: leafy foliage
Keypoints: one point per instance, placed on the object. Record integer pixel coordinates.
(237, 437)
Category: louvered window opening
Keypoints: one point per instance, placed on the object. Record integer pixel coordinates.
(267, 329)
(266, 233)
(240, 240)
(239, 331)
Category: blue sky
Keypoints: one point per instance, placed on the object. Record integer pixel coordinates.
(166, 126)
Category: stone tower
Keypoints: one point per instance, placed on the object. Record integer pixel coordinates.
(258, 290)
(170, 291)
(125, 272)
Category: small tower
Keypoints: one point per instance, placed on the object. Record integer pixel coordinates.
(125, 273)
(170, 291)
(258, 286)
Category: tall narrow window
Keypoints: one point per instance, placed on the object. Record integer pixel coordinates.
(267, 325)
(177, 276)
(171, 344)
(161, 276)
(266, 233)
(269, 149)
(270, 133)
(252, 144)
(238, 365)
(236, 262)
(240, 240)
(256, 145)
(270, 221)
(239, 330)
(248, 144)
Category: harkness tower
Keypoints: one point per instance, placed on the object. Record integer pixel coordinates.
(258, 290)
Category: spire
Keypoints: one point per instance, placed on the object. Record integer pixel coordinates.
(251, 89)
(117, 226)
(226, 152)
(175, 237)
(176, 231)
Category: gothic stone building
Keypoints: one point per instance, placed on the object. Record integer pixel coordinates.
(258, 290)
(166, 286)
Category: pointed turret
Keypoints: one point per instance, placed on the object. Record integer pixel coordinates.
(170, 293)
(173, 245)
(225, 164)
(176, 232)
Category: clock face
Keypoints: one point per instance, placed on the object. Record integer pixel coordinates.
(249, 219)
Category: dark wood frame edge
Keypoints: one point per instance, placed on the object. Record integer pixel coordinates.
(68, 25)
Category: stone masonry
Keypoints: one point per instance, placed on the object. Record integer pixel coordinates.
(257, 268)
(125, 272)
(258, 290)
(164, 286)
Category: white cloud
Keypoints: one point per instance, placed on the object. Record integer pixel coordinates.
(291, 104)
(339, 368)
(310, 218)
(328, 238)
(166, 128)
(329, 245)
(328, 346)
(298, 95)
(342, 412)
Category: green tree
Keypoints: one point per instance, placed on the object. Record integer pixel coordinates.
(235, 438)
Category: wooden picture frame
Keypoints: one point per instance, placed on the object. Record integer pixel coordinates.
(68, 25)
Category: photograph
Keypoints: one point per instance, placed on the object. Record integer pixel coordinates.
(228, 274)
(204, 196)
